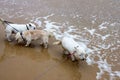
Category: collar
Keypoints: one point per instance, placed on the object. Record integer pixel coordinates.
(27, 27)
(22, 36)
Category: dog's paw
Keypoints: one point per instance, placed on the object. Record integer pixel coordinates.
(46, 46)
(26, 45)
(73, 60)
(9, 40)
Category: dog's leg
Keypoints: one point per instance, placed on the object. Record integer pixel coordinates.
(45, 41)
(72, 57)
(28, 42)
(8, 35)
(41, 42)
(46, 45)
(66, 52)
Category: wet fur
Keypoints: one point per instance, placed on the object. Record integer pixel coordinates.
(32, 35)
(71, 48)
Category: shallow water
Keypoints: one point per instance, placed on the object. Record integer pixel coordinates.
(92, 23)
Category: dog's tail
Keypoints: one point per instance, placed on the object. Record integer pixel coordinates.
(50, 32)
(57, 43)
(4, 21)
(1, 20)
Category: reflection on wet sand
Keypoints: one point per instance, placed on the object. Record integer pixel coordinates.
(35, 63)
(13, 49)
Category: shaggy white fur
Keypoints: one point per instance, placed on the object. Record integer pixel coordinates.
(73, 48)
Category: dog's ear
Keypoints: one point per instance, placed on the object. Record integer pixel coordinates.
(76, 47)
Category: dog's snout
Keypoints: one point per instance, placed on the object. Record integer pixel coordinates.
(83, 59)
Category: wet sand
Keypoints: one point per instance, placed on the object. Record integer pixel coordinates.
(18, 62)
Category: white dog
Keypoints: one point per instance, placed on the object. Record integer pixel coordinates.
(14, 28)
(73, 48)
(31, 35)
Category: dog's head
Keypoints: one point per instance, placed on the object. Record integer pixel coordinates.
(18, 37)
(81, 54)
(31, 26)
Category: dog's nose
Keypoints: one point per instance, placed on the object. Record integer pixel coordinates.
(83, 59)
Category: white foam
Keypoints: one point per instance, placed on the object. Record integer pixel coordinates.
(104, 37)
(93, 21)
(89, 60)
(46, 17)
(113, 24)
(91, 31)
(50, 25)
(103, 25)
(103, 46)
(117, 73)
(102, 62)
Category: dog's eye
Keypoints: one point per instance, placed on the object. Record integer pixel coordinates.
(30, 25)
(77, 46)
(80, 55)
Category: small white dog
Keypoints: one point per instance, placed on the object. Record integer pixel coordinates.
(31, 35)
(72, 48)
(14, 28)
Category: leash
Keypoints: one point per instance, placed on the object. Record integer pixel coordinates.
(22, 36)
(27, 27)
(9, 25)
(69, 55)
(12, 26)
